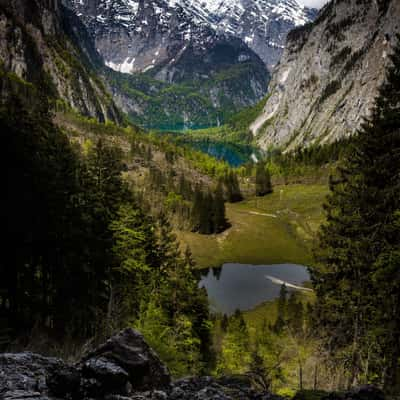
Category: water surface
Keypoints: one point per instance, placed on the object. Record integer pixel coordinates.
(241, 286)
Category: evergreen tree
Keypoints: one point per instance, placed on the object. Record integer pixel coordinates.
(263, 180)
(232, 187)
(218, 214)
(357, 281)
(133, 246)
(282, 306)
(206, 214)
(295, 314)
(197, 208)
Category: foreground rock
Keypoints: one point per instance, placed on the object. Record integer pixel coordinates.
(123, 368)
(366, 392)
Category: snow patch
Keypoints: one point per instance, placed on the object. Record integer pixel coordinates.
(125, 67)
(284, 76)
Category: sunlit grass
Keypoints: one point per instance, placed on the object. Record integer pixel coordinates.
(278, 228)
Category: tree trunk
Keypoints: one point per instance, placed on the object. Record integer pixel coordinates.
(391, 378)
(315, 376)
(300, 375)
(354, 372)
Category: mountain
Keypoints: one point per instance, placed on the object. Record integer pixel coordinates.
(43, 44)
(135, 35)
(193, 64)
(186, 74)
(262, 24)
(329, 74)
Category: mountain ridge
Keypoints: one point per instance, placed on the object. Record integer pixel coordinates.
(261, 24)
(184, 75)
(329, 74)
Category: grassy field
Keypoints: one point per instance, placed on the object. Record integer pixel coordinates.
(278, 228)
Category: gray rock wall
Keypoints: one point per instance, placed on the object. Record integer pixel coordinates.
(329, 74)
(35, 47)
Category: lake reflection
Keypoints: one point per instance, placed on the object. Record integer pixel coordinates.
(241, 286)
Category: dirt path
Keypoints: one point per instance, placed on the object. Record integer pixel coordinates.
(262, 214)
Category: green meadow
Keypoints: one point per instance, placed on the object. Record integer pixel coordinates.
(277, 228)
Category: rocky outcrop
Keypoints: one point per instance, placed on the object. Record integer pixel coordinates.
(262, 24)
(127, 356)
(123, 368)
(329, 74)
(38, 44)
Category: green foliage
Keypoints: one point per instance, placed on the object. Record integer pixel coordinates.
(235, 356)
(242, 120)
(164, 104)
(62, 225)
(356, 282)
(274, 361)
(313, 161)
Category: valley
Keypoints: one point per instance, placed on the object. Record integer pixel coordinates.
(201, 200)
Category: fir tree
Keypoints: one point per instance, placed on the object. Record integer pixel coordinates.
(282, 306)
(357, 281)
(263, 180)
(219, 219)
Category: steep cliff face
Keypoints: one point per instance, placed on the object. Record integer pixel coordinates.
(37, 45)
(185, 72)
(262, 24)
(329, 74)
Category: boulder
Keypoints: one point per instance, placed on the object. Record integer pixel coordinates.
(28, 375)
(129, 352)
(101, 376)
(123, 368)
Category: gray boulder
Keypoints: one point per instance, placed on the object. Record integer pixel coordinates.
(28, 375)
(128, 352)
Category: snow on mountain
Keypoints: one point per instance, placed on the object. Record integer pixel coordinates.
(261, 24)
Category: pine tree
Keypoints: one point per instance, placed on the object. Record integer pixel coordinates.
(263, 180)
(282, 308)
(218, 214)
(196, 208)
(295, 314)
(232, 187)
(357, 281)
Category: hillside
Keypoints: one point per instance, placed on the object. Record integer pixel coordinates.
(329, 74)
(43, 44)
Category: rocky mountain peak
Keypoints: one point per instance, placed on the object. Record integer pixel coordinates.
(329, 74)
(261, 24)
